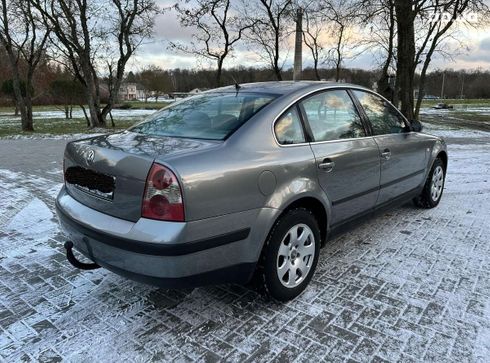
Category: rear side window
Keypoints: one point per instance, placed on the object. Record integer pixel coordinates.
(212, 116)
(332, 116)
(288, 128)
(383, 117)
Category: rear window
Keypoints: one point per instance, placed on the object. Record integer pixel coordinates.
(212, 116)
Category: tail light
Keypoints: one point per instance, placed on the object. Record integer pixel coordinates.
(163, 196)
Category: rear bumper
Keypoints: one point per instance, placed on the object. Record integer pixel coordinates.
(169, 254)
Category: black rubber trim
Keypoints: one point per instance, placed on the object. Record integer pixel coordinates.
(239, 274)
(402, 178)
(155, 249)
(351, 197)
(362, 217)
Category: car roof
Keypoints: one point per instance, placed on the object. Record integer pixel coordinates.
(284, 87)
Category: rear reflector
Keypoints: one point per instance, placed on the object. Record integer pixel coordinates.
(163, 196)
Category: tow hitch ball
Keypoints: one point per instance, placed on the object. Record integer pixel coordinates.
(73, 260)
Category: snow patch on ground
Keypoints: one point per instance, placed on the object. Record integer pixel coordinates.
(55, 189)
(482, 344)
(52, 137)
(34, 221)
(448, 132)
(58, 114)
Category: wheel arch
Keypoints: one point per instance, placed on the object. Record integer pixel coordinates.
(443, 156)
(316, 207)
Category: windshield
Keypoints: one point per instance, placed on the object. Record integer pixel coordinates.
(212, 116)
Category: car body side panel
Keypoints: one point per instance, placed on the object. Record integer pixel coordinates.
(437, 145)
(352, 184)
(227, 179)
(406, 166)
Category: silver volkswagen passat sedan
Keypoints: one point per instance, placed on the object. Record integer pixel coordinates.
(243, 180)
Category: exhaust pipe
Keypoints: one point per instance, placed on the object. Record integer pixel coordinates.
(73, 260)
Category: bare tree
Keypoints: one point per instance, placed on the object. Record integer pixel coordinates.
(326, 34)
(313, 29)
(155, 81)
(24, 40)
(341, 13)
(438, 30)
(418, 17)
(219, 28)
(269, 29)
(379, 16)
(98, 37)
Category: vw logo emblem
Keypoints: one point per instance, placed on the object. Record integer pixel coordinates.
(90, 156)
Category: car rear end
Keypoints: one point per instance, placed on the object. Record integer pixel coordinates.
(123, 206)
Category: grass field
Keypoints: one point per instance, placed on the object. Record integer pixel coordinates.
(135, 105)
(61, 127)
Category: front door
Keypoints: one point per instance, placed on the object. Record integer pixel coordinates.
(403, 153)
(348, 163)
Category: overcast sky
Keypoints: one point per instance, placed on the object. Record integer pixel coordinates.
(474, 54)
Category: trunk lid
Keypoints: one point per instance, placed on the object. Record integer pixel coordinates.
(108, 173)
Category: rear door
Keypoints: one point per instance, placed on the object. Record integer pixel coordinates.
(347, 159)
(402, 152)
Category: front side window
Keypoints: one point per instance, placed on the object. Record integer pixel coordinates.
(383, 117)
(212, 116)
(288, 128)
(332, 116)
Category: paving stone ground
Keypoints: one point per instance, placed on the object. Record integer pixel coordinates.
(410, 285)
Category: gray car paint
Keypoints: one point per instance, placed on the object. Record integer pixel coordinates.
(245, 181)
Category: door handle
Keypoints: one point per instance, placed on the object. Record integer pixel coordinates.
(327, 165)
(386, 154)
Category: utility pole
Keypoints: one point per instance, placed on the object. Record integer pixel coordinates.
(298, 46)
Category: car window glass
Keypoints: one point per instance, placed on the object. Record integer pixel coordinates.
(332, 116)
(383, 117)
(288, 128)
(208, 116)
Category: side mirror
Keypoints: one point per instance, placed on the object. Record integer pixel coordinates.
(415, 126)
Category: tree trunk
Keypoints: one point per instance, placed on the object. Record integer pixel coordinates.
(277, 72)
(21, 101)
(16, 112)
(405, 57)
(67, 112)
(28, 123)
(317, 74)
(71, 112)
(219, 72)
(112, 120)
(96, 118)
(384, 86)
(85, 114)
(420, 96)
(338, 62)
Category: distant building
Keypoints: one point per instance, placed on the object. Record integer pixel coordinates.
(192, 92)
(128, 92)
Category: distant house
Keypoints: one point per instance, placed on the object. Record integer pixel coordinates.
(128, 92)
(192, 92)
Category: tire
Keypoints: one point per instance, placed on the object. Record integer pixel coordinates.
(433, 188)
(285, 254)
